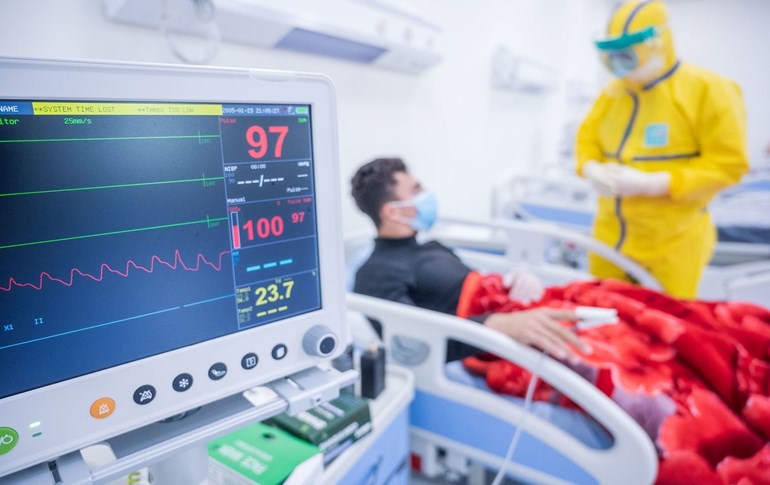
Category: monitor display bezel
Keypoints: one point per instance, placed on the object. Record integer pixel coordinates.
(69, 426)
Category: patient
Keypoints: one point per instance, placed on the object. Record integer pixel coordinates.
(430, 275)
(694, 374)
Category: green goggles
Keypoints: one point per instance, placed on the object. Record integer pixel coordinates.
(624, 41)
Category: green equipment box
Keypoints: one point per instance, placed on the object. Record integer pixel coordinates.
(332, 426)
(256, 455)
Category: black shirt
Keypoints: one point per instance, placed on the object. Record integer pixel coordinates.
(426, 275)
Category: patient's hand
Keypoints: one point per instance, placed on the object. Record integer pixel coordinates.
(539, 328)
(523, 286)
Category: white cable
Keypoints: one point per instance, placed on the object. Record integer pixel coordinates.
(524, 413)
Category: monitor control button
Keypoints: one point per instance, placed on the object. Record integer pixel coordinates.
(217, 371)
(249, 361)
(102, 408)
(319, 341)
(144, 394)
(279, 351)
(182, 382)
(8, 439)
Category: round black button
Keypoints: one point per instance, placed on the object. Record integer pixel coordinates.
(144, 394)
(249, 361)
(279, 352)
(327, 345)
(182, 382)
(217, 371)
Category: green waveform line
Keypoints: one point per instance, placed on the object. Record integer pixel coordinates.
(206, 221)
(97, 187)
(112, 138)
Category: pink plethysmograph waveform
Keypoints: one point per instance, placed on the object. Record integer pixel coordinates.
(176, 263)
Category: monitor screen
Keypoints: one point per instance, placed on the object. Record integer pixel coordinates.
(170, 237)
(132, 229)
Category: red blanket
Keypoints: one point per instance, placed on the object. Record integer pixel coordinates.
(702, 369)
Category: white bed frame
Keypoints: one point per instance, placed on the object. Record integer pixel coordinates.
(523, 244)
(631, 459)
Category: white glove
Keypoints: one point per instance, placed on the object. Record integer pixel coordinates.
(523, 286)
(602, 176)
(629, 181)
(612, 180)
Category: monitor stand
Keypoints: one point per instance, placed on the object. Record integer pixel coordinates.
(175, 450)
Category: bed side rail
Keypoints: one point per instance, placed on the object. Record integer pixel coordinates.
(525, 242)
(632, 456)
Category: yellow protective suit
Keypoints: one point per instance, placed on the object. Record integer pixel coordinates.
(685, 120)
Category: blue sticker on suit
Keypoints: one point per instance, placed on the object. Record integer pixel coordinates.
(656, 135)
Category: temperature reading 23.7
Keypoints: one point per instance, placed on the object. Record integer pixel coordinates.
(273, 292)
(257, 138)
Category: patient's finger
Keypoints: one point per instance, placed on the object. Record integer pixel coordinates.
(540, 339)
(564, 340)
(573, 339)
(566, 335)
(548, 341)
(547, 328)
(561, 314)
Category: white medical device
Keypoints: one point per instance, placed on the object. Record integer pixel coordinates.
(591, 316)
(170, 237)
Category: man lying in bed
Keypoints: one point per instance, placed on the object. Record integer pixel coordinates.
(430, 275)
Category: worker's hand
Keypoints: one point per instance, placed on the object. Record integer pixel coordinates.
(613, 180)
(540, 328)
(602, 176)
(628, 181)
(523, 286)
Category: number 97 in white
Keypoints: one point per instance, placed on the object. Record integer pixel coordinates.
(273, 292)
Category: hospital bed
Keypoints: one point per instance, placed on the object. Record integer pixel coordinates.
(740, 267)
(457, 421)
(453, 423)
(741, 212)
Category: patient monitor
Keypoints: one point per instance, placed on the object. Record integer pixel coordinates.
(170, 236)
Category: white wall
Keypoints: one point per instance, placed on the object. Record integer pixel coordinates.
(452, 129)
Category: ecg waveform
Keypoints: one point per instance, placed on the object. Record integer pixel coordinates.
(105, 268)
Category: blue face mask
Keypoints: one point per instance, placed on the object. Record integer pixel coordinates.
(426, 205)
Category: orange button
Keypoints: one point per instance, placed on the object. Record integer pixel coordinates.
(102, 407)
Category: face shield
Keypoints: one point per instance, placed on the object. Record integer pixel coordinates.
(637, 55)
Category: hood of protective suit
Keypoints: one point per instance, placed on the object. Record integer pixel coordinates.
(637, 15)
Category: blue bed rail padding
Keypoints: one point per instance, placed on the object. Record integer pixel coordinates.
(474, 428)
(558, 215)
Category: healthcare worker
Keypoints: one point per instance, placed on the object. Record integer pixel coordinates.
(660, 141)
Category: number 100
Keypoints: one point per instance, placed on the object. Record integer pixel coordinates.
(264, 227)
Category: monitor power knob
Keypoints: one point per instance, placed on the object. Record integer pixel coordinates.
(319, 341)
